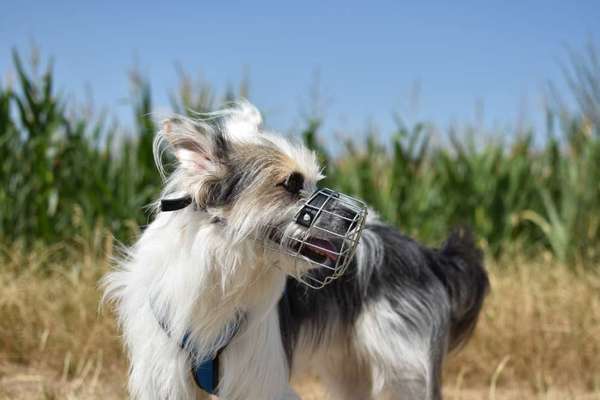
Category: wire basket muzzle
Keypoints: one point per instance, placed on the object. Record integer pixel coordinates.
(327, 232)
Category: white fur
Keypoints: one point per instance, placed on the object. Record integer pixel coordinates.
(197, 284)
(196, 277)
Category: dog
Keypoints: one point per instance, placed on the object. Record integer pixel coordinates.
(216, 275)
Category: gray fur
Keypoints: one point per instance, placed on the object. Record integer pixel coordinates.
(435, 296)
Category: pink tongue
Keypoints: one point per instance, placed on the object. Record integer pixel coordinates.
(323, 247)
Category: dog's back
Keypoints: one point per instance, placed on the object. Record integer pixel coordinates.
(387, 324)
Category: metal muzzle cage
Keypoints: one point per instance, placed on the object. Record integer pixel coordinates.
(325, 234)
(329, 228)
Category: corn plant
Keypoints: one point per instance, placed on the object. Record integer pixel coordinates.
(66, 175)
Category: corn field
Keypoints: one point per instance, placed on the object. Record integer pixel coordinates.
(68, 174)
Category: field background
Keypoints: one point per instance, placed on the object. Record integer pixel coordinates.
(72, 185)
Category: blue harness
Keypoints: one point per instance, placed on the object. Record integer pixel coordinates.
(204, 370)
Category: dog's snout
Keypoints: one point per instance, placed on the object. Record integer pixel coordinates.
(329, 209)
(313, 208)
(349, 216)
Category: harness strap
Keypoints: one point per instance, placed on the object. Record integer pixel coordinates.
(204, 371)
(206, 374)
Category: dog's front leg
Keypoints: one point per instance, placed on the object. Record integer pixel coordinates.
(254, 365)
(160, 369)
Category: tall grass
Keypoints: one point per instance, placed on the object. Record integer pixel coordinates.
(67, 174)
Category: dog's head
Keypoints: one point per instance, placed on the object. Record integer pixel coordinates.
(262, 187)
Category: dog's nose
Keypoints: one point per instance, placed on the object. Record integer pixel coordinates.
(315, 205)
(335, 212)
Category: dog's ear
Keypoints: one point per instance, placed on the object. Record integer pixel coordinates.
(242, 121)
(196, 145)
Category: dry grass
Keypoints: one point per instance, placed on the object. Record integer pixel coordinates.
(539, 335)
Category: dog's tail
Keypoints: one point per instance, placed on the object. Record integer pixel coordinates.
(467, 283)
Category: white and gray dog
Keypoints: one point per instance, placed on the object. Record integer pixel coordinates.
(224, 279)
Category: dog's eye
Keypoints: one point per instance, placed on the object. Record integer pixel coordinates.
(293, 183)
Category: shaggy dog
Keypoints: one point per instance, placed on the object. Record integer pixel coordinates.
(217, 277)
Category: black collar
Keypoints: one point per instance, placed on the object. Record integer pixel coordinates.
(175, 204)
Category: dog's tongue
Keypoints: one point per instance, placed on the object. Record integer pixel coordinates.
(323, 247)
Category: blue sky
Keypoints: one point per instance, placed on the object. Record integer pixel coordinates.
(369, 56)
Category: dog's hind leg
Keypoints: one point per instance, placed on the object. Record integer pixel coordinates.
(290, 394)
(402, 380)
(405, 384)
(347, 383)
(343, 373)
(406, 354)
